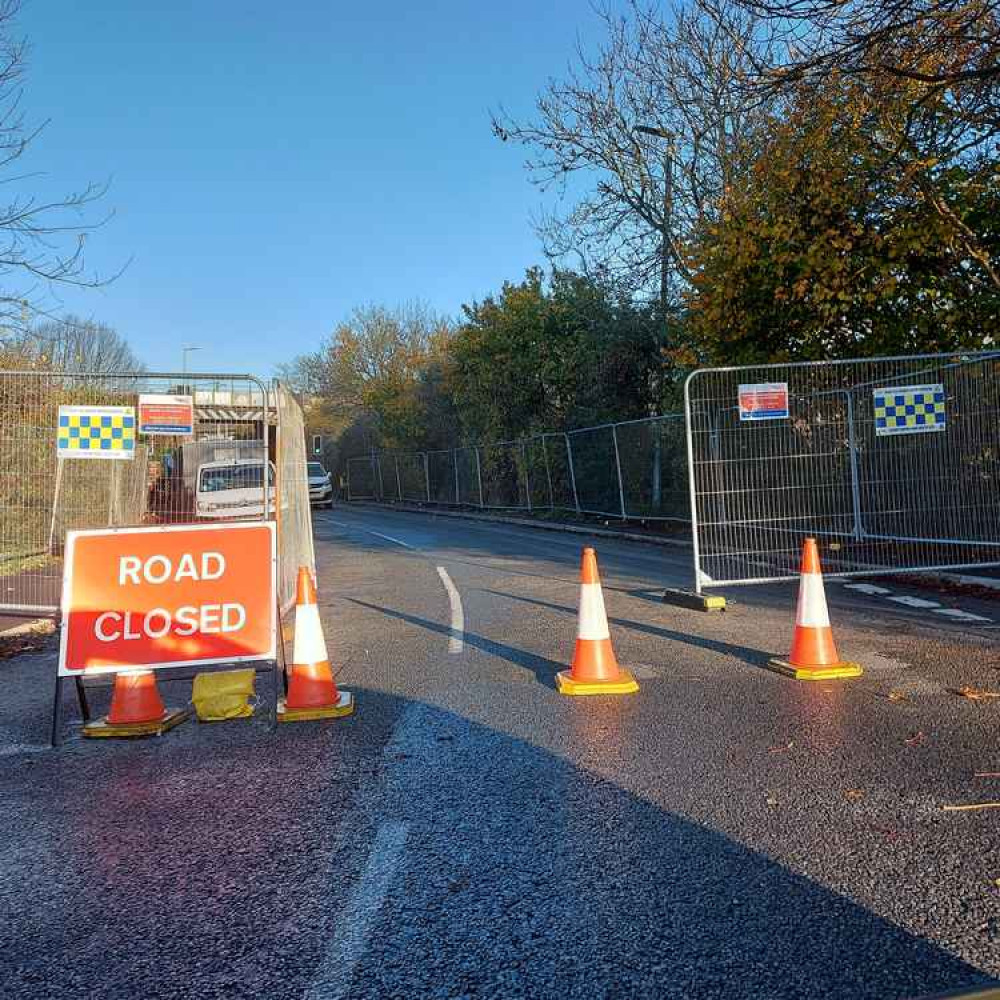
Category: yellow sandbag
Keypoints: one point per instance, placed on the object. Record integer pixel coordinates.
(223, 695)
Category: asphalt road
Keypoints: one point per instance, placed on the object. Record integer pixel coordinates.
(472, 833)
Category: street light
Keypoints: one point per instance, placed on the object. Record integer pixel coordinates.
(185, 351)
(668, 206)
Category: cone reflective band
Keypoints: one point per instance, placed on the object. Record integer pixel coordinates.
(814, 654)
(312, 691)
(595, 667)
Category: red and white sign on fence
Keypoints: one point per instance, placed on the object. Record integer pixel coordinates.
(164, 596)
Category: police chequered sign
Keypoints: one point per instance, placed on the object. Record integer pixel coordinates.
(96, 432)
(909, 409)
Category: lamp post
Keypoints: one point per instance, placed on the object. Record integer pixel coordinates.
(185, 351)
(668, 207)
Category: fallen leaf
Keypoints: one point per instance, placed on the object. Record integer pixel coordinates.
(896, 696)
(854, 793)
(771, 801)
(974, 694)
(915, 740)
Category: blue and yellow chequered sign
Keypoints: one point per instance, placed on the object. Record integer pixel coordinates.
(96, 432)
(909, 409)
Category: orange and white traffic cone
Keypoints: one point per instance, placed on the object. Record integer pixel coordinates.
(136, 708)
(595, 667)
(814, 655)
(312, 691)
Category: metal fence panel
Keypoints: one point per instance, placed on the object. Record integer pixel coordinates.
(43, 496)
(503, 475)
(893, 463)
(653, 456)
(294, 515)
(596, 469)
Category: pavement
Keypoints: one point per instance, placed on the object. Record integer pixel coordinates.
(471, 833)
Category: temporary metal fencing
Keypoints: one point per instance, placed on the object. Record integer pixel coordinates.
(295, 535)
(894, 463)
(629, 470)
(166, 481)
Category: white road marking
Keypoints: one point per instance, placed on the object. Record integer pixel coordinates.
(966, 616)
(915, 602)
(350, 939)
(457, 641)
(866, 588)
(368, 531)
(21, 748)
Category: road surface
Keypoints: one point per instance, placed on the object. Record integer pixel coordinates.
(472, 833)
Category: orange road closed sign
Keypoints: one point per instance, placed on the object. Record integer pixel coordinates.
(161, 597)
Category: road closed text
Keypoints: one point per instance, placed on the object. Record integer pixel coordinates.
(165, 596)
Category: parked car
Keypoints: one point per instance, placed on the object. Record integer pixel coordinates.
(320, 485)
(230, 489)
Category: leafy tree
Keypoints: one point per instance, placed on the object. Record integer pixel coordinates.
(536, 358)
(821, 251)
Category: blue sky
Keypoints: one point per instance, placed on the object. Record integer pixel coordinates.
(274, 165)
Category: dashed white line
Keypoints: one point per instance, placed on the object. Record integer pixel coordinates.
(368, 531)
(965, 616)
(866, 588)
(915, 602)
(456, 643)
(336, 969)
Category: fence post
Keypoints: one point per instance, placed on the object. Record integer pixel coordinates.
(859, 531)
(458, 495)
(657, 462)
(479, 476)
(572, 472)
(618, 466)
(692, 490)
(381, 484)
(527, 480)
(399, 486)
(427, 477)
(548, 472)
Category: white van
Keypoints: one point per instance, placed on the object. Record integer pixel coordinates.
(234, 488)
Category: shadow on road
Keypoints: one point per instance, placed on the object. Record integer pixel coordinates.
(221, 861)
(755, 657)
(544, 669)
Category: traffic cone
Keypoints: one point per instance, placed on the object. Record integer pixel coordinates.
(312, 691)
(594, 669)
(814, 655)
(136, 708)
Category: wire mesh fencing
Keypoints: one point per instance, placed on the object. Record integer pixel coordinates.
(630, 470)
(294, 515)
(893, 463)
(74, 454)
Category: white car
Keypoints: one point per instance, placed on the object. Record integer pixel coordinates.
(231, 489)
(320, 485)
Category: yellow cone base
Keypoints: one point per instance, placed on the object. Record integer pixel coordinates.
(831, 673)
(626, 684)
(698, 602)
(102, 729)
(344, 706)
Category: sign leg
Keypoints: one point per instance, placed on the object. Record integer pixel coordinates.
(55, 737)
